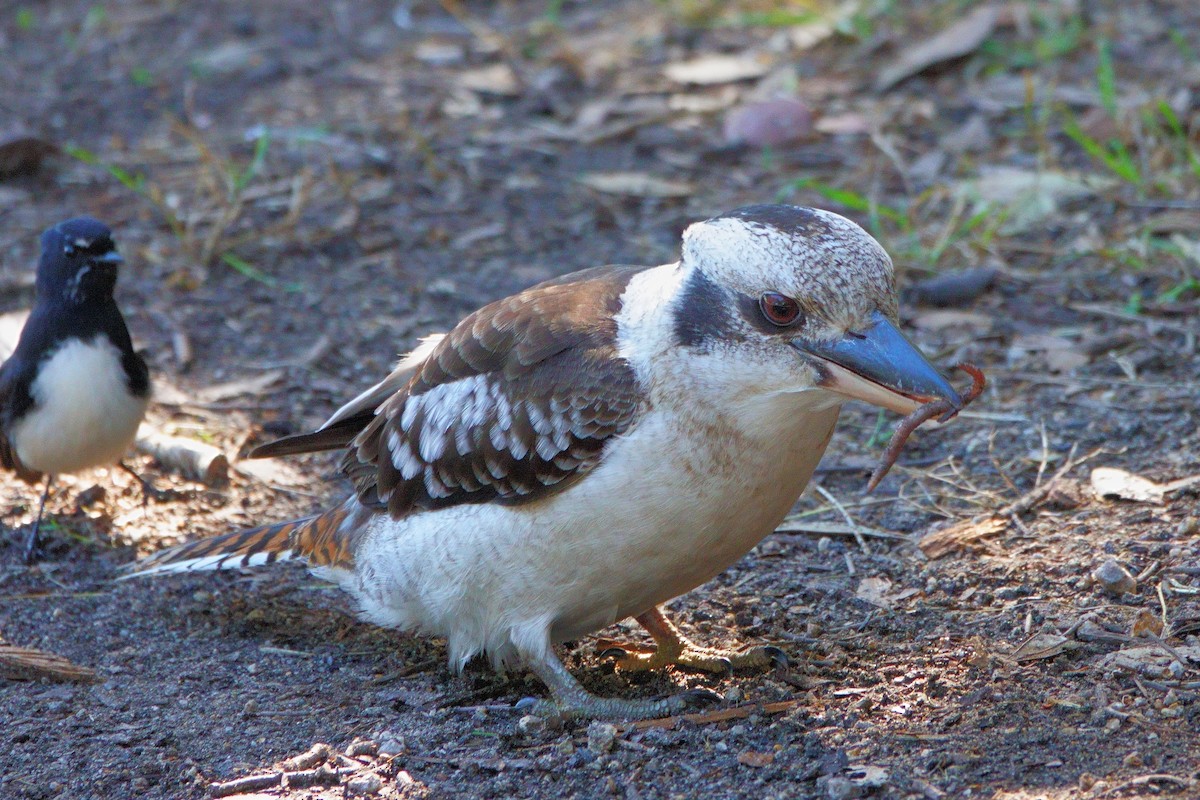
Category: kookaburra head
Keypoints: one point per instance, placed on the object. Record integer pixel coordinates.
(789, 299)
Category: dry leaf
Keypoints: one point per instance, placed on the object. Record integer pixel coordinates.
(1042, 646)
(271, 472)
(218, 392)
(941, 319)
(876, 591)
(22, 154)
(1028, 196)
(636, 184)
(498, 79)
(958, 40)
(712, 70)
(1146, 624)
(849, 123)
(1110, 482)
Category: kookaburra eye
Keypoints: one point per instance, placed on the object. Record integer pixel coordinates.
(779, 309)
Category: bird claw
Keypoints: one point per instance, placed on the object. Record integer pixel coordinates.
(613, 652)
(699, 697)
(778, 658)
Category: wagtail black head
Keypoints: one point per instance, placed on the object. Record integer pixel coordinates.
(79, 261)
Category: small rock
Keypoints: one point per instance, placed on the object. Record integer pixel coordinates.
(839, 788)
(1133, 760)
(362, 747)
(601, 737)
(1086, 781)
(1114, 578)
(391, 744)
(251, 708)
(1177, 670)
(366, 783)
(755, 758)
(89, 497)
(531, 724)
(769, 123)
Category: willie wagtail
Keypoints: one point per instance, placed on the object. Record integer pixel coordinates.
(74, 391)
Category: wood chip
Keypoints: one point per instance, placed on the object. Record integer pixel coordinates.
(195, 460)
(498, 80)
(960, 536)
(28, 664)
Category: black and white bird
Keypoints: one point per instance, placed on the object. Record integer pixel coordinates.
(73, 392)
(598, 444)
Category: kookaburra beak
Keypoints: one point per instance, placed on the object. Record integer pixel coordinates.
(879, 365)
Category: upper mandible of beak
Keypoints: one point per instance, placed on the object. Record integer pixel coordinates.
(880, 366)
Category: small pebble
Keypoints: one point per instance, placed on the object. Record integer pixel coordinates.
(366, 783)
(838, 788)
(391, 744)
(1176, 669)
(769, 123)
(362, 747)
(1132, 760)
(601, 736)
(531, 724)
(251, 708)
(1114, 578)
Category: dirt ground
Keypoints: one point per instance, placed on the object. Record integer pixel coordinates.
(301, 190)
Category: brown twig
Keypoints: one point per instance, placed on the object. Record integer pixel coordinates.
(302, 779)
(711, 717)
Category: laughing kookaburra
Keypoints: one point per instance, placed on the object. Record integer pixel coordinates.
(598, 444)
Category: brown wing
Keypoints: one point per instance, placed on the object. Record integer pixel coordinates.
(513, 404)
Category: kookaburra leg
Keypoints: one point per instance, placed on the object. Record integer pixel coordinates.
(675, 648)
(569, 699)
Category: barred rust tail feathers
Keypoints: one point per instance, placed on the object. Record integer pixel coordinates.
(320, 541)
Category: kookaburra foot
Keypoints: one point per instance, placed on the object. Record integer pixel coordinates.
(569, 700)
(673, 648)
